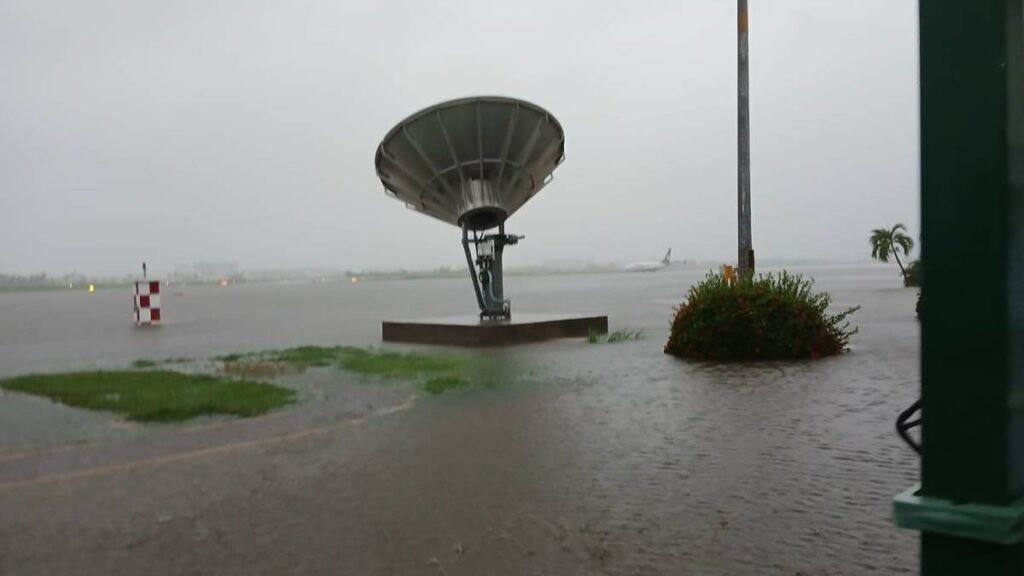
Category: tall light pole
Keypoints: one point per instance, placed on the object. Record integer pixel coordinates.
(745, 261)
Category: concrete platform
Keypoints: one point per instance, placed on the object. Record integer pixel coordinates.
(471, 331)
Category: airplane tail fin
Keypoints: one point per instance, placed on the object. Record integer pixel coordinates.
(667, 258)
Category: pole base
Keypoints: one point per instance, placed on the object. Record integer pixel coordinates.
(472, 331)
(983, 522)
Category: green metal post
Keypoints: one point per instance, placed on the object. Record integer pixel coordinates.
(970, 506)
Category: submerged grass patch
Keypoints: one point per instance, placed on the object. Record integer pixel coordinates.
(148, 363)
(624, 335)
(399, 364)
(257, 369)
(441, 384)
(318, 356)
(436, 372)
(154, 395)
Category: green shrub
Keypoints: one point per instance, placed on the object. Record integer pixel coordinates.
(770, 317)
(913, 276)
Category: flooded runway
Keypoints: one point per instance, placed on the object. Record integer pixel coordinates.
(581, 459)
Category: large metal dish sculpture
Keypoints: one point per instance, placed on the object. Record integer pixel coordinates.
(472, 163)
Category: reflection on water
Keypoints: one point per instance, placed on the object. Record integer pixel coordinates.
(588, 458)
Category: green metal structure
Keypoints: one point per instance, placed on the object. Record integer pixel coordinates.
(970, 505)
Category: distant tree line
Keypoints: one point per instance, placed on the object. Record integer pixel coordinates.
(40, 281)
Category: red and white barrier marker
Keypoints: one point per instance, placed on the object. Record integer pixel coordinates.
(147, 302)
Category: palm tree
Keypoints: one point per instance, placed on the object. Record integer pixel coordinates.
(886, 243)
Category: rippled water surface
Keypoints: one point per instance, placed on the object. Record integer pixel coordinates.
(582, 459)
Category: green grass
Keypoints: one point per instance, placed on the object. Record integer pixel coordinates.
(436, 372)
(154, 395)
(625, 335)
(143, 363)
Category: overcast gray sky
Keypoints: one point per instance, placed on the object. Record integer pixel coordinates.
(205, 130)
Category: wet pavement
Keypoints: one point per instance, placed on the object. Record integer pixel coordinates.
(578, 459)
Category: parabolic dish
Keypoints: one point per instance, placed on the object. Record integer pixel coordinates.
(472, 161)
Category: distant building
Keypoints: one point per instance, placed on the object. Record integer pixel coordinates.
(213, 270)
(182, 271)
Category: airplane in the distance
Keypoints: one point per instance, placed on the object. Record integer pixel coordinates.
(650, 266)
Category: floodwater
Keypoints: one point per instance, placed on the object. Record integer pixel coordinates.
(586, 459)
